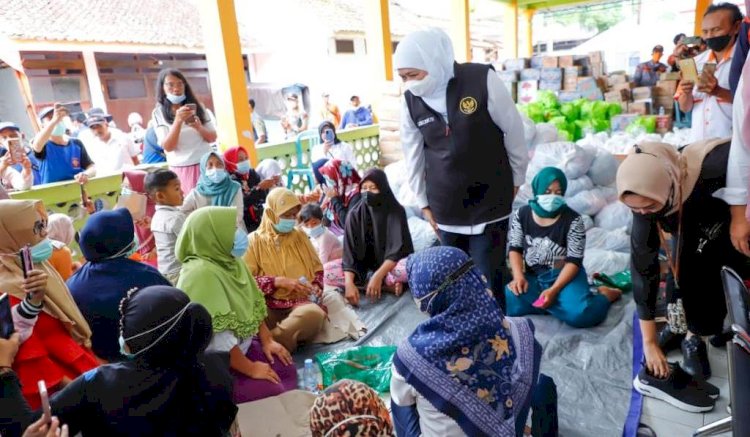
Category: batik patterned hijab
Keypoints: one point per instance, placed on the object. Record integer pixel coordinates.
(463, 359)
(341, 176)
(350, 408)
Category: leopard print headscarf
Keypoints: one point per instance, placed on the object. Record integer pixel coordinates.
(350, 408)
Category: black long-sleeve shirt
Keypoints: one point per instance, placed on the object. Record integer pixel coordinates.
(700, 209)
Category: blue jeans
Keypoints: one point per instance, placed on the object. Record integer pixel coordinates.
(576, 305)
(488, 252)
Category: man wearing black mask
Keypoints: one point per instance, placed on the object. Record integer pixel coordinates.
(710, 98)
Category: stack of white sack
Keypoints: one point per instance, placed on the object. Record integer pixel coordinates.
(591, 171)
(536, 134)
(422, 234)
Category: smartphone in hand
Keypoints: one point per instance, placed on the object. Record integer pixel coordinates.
(6, 318)
(193, 107)
(46, 409)
(27, 264)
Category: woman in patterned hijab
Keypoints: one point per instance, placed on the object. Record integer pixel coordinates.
(475, 368)
(350, 408)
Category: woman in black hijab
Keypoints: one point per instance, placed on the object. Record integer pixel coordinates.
(160, 390)
(376, 238)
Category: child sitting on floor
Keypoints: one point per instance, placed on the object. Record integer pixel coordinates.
(164, 187)
(548, 239)
(328, 246)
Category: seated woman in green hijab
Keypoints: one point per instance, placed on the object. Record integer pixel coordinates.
(212, 275)
(547, 241)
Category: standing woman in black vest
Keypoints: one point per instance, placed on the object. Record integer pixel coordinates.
(464, 146)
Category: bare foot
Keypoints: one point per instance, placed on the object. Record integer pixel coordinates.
(612, 294)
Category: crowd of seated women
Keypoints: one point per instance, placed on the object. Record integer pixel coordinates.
(196, 301)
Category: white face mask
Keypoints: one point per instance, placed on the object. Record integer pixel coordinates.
(422, 87)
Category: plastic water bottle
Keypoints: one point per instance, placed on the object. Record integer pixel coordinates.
(661, 111)
(310, 376)
(313, 297)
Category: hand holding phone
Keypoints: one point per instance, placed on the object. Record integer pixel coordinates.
(193, 107)
(46, 409)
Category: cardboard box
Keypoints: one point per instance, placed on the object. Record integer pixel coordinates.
(641, 108)
(536, 62)
(617, 96)
(663, 102)
(663, 123)
(596, 57)
(516, 64)
(552, 74)
(550, 85)
(670, 76)
(549, 62)
(565, 61)
(616, 79)
(623, 86)
(527, 91)
(589, 89)
(531, 74)
(642, 93)
(570, 83)
(598, 69)
(568, 96)
(665, 88)
(508, 76)
(573, 71)
(622, 121)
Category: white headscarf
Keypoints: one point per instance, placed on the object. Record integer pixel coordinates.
(430, 50)
(268, 168)
(60, 229)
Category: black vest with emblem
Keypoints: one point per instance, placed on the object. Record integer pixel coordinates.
(468, 176)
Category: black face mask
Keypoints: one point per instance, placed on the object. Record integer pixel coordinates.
(372, 199)
(718, 43)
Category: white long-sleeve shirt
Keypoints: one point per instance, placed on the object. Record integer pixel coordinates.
(13, 179)
(504, 114)
(738, 167)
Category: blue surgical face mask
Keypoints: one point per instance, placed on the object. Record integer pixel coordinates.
(58, 130)
(216, 175)
(128, 250)
(285, 226)
(243, 167)
(240, 243)
(125, 354)
(41, 251)
(315, 232)
(550, 202)
(175, 99)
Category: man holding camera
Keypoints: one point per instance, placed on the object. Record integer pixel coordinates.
(710, 98)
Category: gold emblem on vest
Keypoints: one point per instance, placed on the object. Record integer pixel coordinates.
(468, 105)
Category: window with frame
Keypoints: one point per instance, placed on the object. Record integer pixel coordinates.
(344, 46)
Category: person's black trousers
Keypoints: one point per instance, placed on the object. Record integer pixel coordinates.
(488, 252)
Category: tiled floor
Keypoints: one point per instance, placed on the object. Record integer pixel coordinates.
(668, 421)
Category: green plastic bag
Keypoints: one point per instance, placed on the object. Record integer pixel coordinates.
(368, 364)
(622, 281)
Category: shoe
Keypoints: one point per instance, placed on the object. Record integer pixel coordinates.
(695, 357)
(706, 387)
(673, 391)
(669, 341)
(720, 340)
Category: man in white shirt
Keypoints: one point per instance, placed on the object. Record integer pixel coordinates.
(464, 145)
(112, 149)
(711, 99)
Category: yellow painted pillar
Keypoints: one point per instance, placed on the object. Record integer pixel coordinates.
(461, 30)
(700, 9)
(227, 75)
(378, 32)
(510, 31)
(529, 15)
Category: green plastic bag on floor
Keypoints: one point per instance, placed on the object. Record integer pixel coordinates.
(368, 364)
(622, 281)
